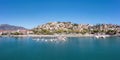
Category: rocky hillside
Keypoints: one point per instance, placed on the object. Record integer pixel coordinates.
(68, 28)
(10, 27)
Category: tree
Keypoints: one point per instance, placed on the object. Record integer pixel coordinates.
(4, 34)
(75, 31)
(46, 32)
(111, 32)
(59, 31)
(36, 32)
(16, 33)
(75, 24)
(84, 31)
(94, 31)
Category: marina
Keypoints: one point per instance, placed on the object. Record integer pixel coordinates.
(60, 38)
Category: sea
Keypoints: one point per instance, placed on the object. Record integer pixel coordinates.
(47, 48)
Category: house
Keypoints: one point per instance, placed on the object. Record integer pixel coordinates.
(30, 32)
(24, 32)
(1, 31)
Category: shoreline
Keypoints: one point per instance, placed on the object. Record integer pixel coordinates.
(69, 35)
(51, 35)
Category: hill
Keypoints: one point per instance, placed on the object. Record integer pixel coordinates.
(11, 27)
(72, 28)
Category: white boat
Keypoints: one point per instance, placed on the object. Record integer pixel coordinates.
(100, 36)
(61, 38)
(97, 36)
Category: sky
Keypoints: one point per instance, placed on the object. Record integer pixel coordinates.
(31, 13)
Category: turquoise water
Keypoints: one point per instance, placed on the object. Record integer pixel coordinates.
(71, 49)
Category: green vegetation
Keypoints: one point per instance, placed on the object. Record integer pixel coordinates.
(69, 28)
(16, 33)
(111, 32)
(75, 24)
(43, 31)
(94, 31)
(84, 31)
(4, 34)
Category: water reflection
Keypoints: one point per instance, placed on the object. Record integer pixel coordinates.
(47, 48)
(50, 39)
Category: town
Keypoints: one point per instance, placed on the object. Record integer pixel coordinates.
(15, 32)
(73, 28)
(53, 28)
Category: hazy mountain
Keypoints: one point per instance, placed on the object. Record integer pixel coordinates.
(10, 27)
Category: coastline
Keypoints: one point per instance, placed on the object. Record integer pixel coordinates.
(65, 35)
(74, 35)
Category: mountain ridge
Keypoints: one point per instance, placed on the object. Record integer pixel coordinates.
(11, 27)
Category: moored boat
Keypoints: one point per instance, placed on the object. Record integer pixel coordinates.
(101, 36)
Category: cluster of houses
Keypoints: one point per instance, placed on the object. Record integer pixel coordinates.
(106, 27)
(68, 26)
(52, 26)
(9, 32)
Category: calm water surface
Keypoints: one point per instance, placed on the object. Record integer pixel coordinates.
(71, 49)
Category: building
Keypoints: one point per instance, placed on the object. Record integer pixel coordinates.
(30, 32)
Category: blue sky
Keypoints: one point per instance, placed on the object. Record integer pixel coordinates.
(30, 13)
